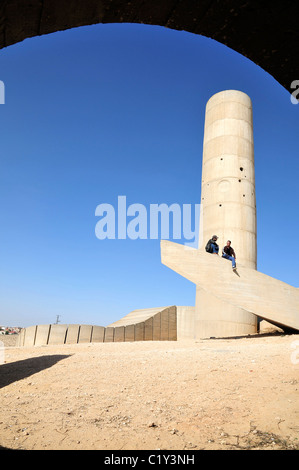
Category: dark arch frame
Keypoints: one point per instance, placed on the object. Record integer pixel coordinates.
(266, 34)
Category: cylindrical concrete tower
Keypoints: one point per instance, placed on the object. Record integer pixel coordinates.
(228, 204)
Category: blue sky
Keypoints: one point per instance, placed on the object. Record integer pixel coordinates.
(107, 110)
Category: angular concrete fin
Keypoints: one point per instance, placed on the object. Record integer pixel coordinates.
(246, 288)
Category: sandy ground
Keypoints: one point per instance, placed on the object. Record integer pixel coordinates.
(210, 394)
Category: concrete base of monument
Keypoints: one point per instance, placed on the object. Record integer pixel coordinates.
(216, 318)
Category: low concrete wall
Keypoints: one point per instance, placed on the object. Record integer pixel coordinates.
(186, 322)
(161, 326)
(57, 334)
(72, 334)
(30, 335)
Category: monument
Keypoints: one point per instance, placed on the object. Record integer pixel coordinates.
(228, 303)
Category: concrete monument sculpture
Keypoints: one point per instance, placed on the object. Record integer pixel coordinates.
(227, 303)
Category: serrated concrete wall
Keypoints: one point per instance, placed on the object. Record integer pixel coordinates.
(153, 324)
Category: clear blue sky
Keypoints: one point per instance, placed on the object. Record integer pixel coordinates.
(107, 110)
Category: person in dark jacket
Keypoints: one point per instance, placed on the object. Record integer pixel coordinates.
(229, 253)
(211, 246)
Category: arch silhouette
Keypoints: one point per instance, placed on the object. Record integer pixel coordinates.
(267, 35)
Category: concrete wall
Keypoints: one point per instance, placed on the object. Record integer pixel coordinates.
(186, 323)
(40, 335)
(156, 326)
(149, 324)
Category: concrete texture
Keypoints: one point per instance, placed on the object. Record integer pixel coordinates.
(57, 334)
(139, 331)
(137, 316)
(158, 324)
(185, 322)
(251, 290)
(129, 333)
(266, 34)
(228, 205)
(97, 334)
(157, 327)
(119, 334)
(148, 329)
(29, 336)
(109, 335)
(72, 334)
(228, 176)
(42, 335)
(172, 325)
(85, 334)
(21, 338)
(216, 318)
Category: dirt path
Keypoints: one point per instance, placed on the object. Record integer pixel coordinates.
(211, 394)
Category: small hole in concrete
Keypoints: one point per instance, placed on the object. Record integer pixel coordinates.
(220, 205)
(241, 168)
(239, 181)
(243, 195)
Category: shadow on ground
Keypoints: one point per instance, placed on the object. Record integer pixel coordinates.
(257, 335)
(5, 448)
(19, 370)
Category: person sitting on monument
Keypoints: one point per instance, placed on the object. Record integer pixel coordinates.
(229, 253)
(211, 246)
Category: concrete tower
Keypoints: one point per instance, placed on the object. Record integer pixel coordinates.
(228, 204)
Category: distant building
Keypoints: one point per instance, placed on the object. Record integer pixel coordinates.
(10, 330)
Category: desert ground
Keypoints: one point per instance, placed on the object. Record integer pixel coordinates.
(238, 393)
